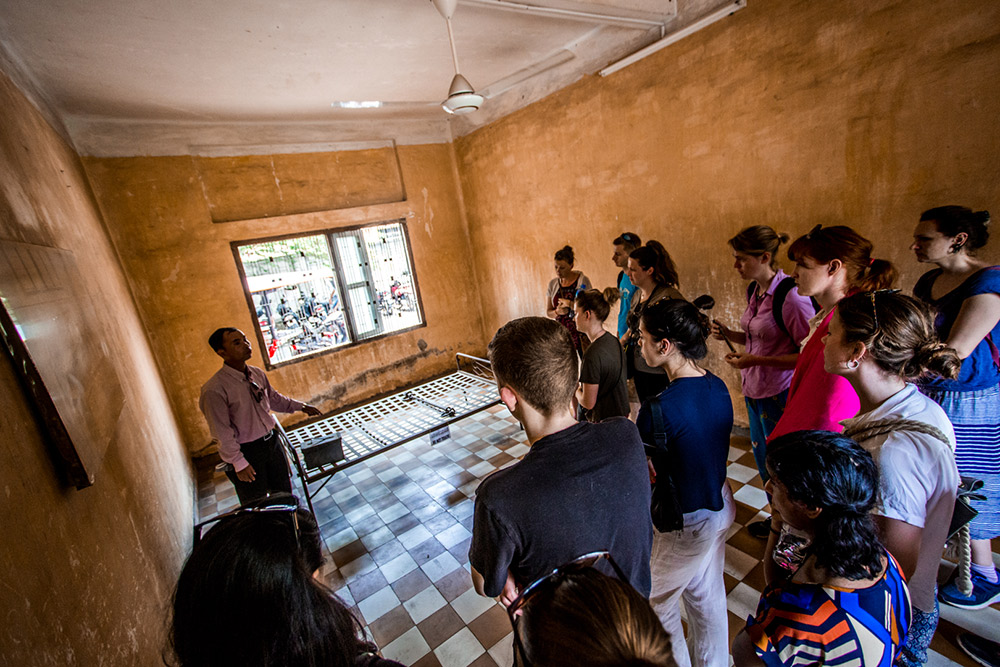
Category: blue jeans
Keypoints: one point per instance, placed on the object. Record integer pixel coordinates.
(764, 415)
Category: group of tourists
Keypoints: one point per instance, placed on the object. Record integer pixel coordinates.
(870, 413)
(912, 379)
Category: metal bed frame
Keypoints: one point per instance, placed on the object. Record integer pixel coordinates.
(386, 423)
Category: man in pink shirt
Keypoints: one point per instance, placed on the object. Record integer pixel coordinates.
(237, 403)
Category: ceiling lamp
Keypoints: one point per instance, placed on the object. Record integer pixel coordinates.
(461, 96)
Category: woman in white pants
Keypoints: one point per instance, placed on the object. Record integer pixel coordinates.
(686, 429)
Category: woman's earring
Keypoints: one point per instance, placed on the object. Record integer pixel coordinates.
(955, 247)
(853, 364)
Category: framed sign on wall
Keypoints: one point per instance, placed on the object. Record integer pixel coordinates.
(53, 335)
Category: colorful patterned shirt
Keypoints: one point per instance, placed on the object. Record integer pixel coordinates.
(807, 624)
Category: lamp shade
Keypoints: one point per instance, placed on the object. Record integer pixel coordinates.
(461, 97)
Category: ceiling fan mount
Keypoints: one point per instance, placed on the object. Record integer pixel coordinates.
(462, 97)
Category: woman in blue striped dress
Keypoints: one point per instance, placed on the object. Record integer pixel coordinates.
(966, 293)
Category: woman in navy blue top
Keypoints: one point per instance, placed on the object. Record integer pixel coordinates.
(686, 429)
(965, 291)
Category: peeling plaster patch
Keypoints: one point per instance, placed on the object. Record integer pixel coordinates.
(173, 274)
(428, 214)
(277, 181)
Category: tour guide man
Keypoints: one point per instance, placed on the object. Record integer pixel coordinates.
(237, 403)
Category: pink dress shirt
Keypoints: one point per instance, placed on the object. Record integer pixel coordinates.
(234, 416)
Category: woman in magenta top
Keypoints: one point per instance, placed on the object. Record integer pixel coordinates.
(830, 263)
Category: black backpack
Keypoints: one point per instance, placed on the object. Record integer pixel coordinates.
(778, 302)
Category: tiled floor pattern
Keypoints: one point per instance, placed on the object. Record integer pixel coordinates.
(398, 527)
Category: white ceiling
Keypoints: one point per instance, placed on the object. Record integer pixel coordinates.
(123, 74)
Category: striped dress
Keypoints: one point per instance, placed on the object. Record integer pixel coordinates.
(807, 624)
(972, 401)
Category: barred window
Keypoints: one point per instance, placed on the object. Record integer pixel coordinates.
(316, 293)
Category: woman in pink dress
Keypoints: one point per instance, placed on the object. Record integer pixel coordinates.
(830, 263)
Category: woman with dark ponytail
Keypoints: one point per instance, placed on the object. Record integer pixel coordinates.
(686, 428)
(830, 263)
(603, 392)
(965, 292)
(834, 592)
(877, 341)
(654, 275)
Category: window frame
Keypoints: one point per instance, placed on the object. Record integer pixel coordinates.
(328, 234)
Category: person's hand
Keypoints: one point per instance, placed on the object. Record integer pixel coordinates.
(565, 305)
(740, 360)
(652, 470)
(719, 332)
(311, 410)
(248, 474)
(509, 591)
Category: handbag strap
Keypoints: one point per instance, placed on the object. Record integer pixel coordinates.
(659, 432)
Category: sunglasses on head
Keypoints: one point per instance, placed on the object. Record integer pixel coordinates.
(872, 295)
(553, 580)
(284, 508)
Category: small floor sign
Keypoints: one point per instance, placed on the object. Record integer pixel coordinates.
(440, 435)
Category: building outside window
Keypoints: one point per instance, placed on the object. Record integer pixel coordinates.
(315, 293)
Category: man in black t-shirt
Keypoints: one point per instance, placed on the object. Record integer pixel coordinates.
(582, 487)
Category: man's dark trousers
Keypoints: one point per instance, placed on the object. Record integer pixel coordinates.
(269, 464)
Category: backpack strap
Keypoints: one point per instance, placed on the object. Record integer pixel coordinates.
(777, 302)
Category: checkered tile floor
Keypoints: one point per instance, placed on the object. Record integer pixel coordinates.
(397, 529)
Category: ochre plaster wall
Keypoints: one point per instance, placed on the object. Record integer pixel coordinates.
(86, 574)
(182, 270)
(787, 113)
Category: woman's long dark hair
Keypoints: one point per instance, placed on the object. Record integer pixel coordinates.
(654, 256)
(835, 474)
(246, 597)
(679, 322)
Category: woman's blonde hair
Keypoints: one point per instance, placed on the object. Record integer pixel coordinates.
(589, 618)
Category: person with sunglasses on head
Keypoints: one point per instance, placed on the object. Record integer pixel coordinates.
(834, 595)
(878, 341)
(652, 271)
(624, 245)
(775, 320)
(965, 293)
(830, 263)
(581, 487)
(686, 429)
(250, 595)
(579, 616)
(237, 403)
